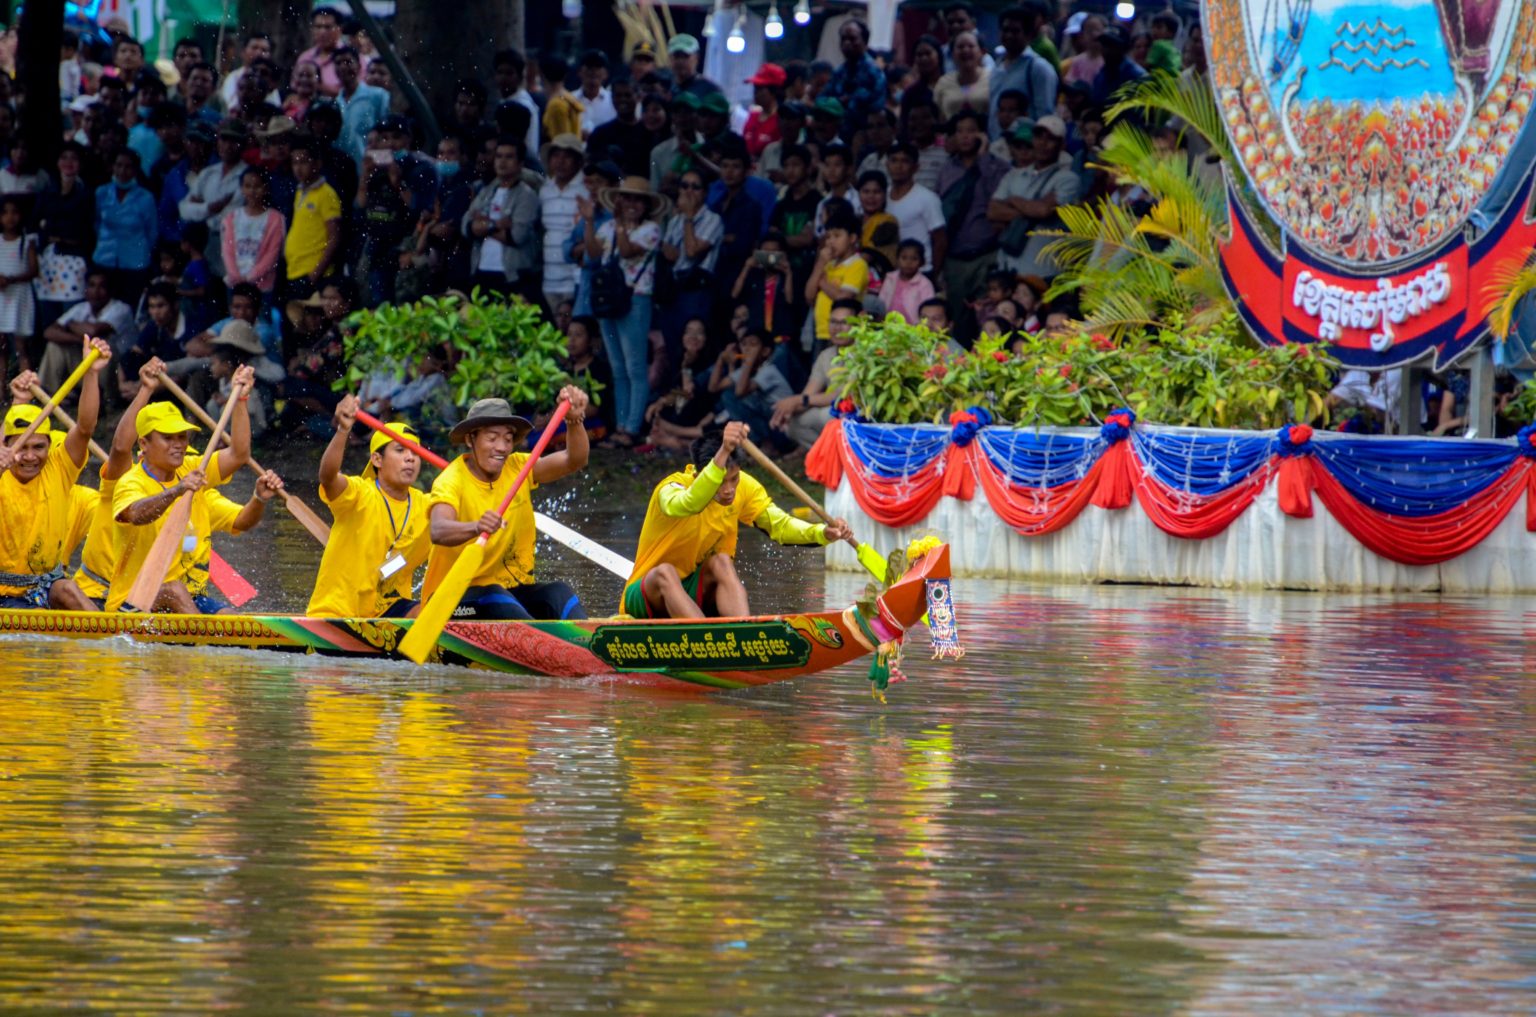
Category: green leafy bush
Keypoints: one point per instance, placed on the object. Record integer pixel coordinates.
(494, 347)
(1216, 377)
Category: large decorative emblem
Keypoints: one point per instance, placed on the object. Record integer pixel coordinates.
(1385, 141)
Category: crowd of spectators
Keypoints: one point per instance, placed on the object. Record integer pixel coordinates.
(703, 251)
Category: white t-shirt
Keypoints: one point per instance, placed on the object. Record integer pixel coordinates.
(490, 247)
(557, 211)
(919, 212)
(249, 229)
(117, 314)
(597, 112)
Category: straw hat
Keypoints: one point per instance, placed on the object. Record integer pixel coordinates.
(241, 336)
(295, 308)
(490, 413)
(640, 187)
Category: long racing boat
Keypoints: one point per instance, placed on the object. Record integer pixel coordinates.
(722, 653)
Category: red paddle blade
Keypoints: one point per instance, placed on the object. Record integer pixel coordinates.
(230, 583)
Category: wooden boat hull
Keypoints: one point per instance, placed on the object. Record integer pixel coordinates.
(722, 653)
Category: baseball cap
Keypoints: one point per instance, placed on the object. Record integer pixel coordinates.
(1022, 132)
(1075, 23)
(828, 106)
(380, 439)
(164, 418)
(682, 43)
(644, 51)
(1052, 124)
(18, 418)
(770, 75)
(715, 102)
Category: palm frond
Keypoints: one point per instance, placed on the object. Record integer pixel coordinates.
(1509, 284)
(1188, 99)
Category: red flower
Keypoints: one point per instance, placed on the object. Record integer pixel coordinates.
(1102, 342)
(1000, 356)
(1255, 362)
(936, 371)
(1065, 370)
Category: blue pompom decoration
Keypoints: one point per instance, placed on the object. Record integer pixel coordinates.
(1117, 426)
(1525, 441)
(1295, 440)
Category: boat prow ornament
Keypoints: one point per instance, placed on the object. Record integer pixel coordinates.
(1390, 144)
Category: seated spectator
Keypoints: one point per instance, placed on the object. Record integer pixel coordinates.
(236, 345)
(752, 388)
(802, 416)
(245, 304)
(319, 355)
(905, 289)
(98, 316)
(422, 398)
(585, 363)
(253, 236)
(687, 407)
(165, 336)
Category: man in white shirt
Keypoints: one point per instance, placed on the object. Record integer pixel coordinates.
(595, 98)
(917, 209)
(213, 189)
(258, 46)
(558, 200)
(510, 68)
(98, 316)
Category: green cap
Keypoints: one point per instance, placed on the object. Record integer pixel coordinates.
(683, 43)
(829, 106)
(715, 102)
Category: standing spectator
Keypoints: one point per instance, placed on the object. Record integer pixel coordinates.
(384, 198)
(965, 87)
(673, 156)
(303, 87)
(186, 53)
(762, 128)
(879, 136)
(928, 59)
(965, 188)
(362, 105)
(683, 54)
(20, 176)
(314, 236)
(690, 251)
(66, 217)
(277, 159)
(878, 233)
(469, 98)
(337, 164)
(624, 138)
(836, 183)
(959, 18)
(142, 135)
(257, 45)
(98, 316)
(859, 83)
(916, 208)
(1083, 31)
(905, 289)
(126, 225)
(598, 175)
(1021, 67)
(501, 225)
(128, 57)
(562, 110)
(201, 86)
(1041, 181)
(795, 218)
(510, 69)
(594, 96)
(1118, 70)
(743, 217)
(932, 152)
(792, 118)
(18, 267)
(803, 416)
(251, 235)
(420, 174)
(558, 198)
(176, 183)
(325, 34)
(629, 240)
(215, 188)
(840, 273)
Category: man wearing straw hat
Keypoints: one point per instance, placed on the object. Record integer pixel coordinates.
(35, 492)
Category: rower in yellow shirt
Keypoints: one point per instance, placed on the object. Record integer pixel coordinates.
(166, 471)
(380, 532)
(685, 567)
(463, 505)
(36, 491)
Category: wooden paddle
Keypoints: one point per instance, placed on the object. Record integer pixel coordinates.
(58, 397)
(167, 545)
(301, 511)
(872, 560)
(557, 531)
(438, 608)
(230, 582)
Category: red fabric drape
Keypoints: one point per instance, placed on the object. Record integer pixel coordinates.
(1199, 517)
(824, 462)
(1117, 471)
(1294, 486)
(959, 474)
(1424, 540)
(1034, 513)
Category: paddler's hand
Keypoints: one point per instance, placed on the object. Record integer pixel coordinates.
(100, 346)
(346, 413)
(21, 387)
(838, 529)
(151, 373)
(245, 378)
(735, 433)
(268, 485)
(489, 523)
(7, 458)
(577, 414)
(193, 482)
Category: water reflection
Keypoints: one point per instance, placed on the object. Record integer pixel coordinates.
(1126, 800)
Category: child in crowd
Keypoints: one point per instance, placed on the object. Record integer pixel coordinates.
(748, 393)
(198, 303)
(18, 267)
(840, 271)
(765, 286)
(252, 236)
(590, 372)
(999, 288)
(905, 289)
(235, 346)
(681, 415)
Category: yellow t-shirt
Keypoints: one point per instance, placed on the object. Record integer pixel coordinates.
(687, 541)
(312, 209)
(562, 115)
(509, 552)
(35, 517)
(370, 527)
(96, 557)
(852, 272)
(211, 513)
(83, 503)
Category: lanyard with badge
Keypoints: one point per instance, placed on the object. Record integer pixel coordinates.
(189, 539)
(394, 561)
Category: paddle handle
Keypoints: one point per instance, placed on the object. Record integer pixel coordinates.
(793, 488)
(63, 417)
(378, 425)
(58, 397)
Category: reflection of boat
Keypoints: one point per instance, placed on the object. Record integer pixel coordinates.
(716, 653)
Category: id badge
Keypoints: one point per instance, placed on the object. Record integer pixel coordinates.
(394, 563)
(189, 543)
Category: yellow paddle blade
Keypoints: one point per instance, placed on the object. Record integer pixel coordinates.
(872, 560)
(438, 609)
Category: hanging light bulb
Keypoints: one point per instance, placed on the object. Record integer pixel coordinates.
(736, 42)
(709, 22)
(802, 12)
(773, 28)
(1125, 10)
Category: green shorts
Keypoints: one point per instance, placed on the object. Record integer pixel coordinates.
(634, 597)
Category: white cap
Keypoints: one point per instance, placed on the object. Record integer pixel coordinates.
(1075, 23)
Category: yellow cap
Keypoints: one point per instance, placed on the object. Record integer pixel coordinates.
(380, 439)
(19, 418)
(163, 417)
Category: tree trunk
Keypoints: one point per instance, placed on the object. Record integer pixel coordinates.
(37, 51)
(286, 21)
(441, 42)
